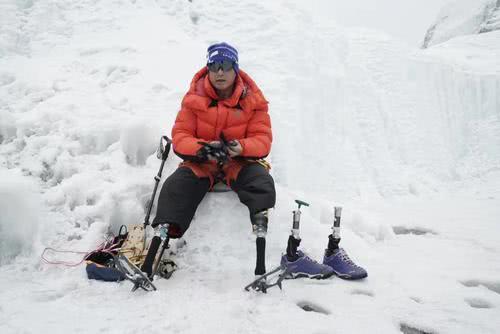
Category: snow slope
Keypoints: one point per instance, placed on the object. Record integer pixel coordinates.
(405, 20)
(407, 140)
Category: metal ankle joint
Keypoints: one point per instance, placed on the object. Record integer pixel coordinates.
(259, 224)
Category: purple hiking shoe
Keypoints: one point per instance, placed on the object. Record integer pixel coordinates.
(304, 266)
(343, 266)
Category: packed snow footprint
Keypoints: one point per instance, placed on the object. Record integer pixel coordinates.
(401, 230)
(312, 307)
(493, 286)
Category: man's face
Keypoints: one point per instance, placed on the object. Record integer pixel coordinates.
(220, 79)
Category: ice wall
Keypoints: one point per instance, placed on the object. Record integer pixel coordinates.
(460, 79)
(368, 116)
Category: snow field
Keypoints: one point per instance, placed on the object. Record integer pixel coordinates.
(405, 140)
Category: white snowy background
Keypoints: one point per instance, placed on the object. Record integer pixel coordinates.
(406, 140)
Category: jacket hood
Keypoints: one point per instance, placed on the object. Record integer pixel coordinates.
(246, 93)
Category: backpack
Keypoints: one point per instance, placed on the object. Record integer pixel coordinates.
(130, 243)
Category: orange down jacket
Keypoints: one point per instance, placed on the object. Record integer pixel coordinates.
(203, 117)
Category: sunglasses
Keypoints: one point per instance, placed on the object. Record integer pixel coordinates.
(226, 66)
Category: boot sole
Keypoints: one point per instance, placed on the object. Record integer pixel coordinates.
(317, 276)
(348, 277)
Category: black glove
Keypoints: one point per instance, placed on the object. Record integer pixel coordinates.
(232, 148)
(214, 150)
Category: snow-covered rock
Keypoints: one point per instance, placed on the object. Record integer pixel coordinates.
(463, 17)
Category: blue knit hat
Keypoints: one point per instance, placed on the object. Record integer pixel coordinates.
(222, 51)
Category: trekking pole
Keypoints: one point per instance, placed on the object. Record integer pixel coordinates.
(161, 153)
(294, 238)
(147, 266)
(334, 238)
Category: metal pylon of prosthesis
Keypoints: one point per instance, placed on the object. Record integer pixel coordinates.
(334, 237)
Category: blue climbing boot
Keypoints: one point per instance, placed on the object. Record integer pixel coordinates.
(343, 266)
(304, 266)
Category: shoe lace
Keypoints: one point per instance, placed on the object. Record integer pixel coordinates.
(310, 258)
(346, 258)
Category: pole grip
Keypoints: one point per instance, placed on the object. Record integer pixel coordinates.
(162, 152)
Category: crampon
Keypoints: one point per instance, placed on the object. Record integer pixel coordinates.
(133, 274)
(261, 283)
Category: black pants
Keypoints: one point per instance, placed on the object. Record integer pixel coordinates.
(183, 191)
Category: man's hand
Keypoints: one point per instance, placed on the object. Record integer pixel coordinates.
(234, 148)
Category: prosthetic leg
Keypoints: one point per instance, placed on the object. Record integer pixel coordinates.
(294, 238)
(297, 263)
(337, 258)
(259, 228)
(164, 268)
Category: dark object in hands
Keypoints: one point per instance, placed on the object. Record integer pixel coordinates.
(214, 151)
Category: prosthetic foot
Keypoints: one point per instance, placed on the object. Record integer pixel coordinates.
(337, 258)
(263, 280)
(297, 263)
(154, 264)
